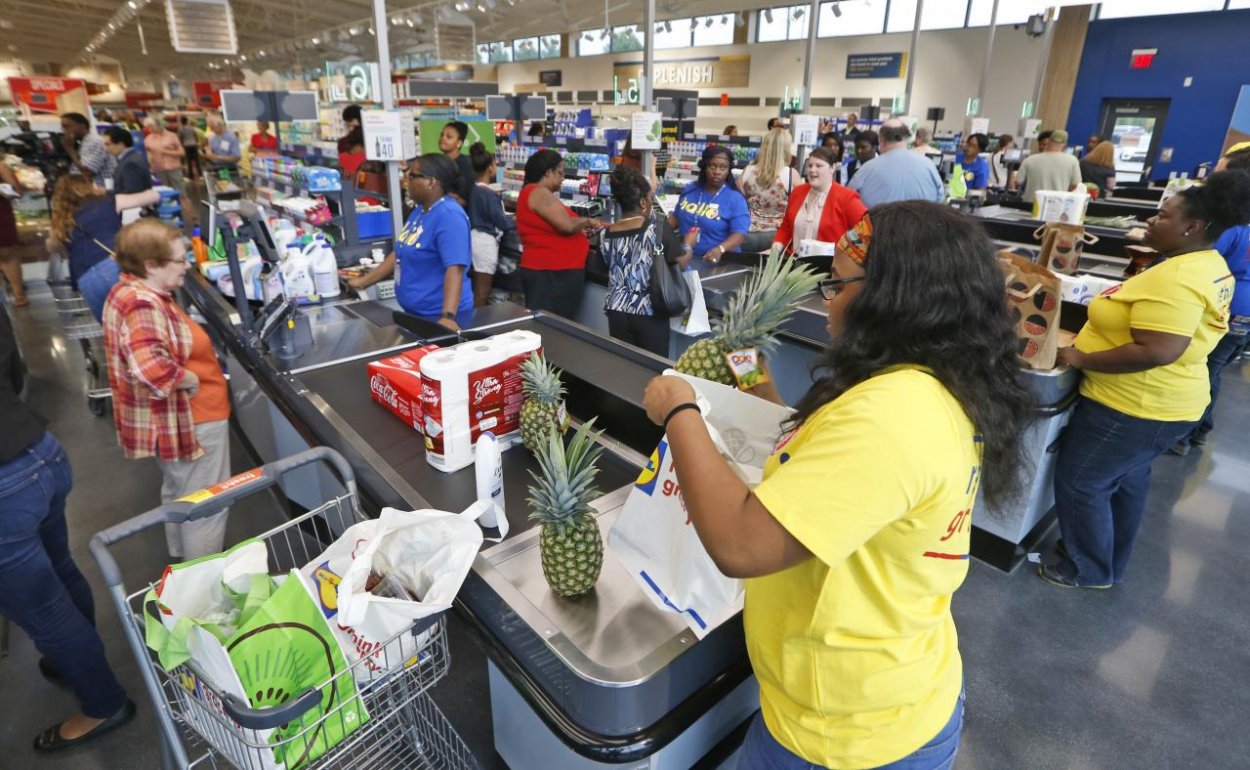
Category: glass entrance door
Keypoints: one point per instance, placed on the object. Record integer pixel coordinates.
(1135, 127)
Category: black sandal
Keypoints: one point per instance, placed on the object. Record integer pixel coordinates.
(51, 740)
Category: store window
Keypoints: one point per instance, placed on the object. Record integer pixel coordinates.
(1009, 11)
(856, 18)
(714, 30)
(785, 22)
(525, 49)
(498, 52)
(551, 46)
(938, 14)
(628, 38)
(1237, 5)
(1121, 9)
(674, 33)
(593, 42)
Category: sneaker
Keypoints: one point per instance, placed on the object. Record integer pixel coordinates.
(1180, 449)
(1198, 439)
(1051, 574)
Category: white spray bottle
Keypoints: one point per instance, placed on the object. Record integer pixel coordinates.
(488, 469)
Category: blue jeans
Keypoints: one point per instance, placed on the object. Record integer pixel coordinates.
(761, 751)
(1102, 474)
(95, 285)
(41, 589)
(1227, 349)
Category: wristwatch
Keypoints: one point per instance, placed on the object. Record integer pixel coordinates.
(449, 316)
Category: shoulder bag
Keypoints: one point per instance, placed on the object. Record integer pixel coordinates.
(670, 294)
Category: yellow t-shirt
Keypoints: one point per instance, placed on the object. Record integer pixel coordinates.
(1187, 295)
(855, 650)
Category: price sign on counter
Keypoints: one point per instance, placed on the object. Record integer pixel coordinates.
(389, 135)
(806, 129)
(645, 129)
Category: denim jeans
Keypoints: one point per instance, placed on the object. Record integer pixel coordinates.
(761, 751)
(1227, 349)
(41, 589)
(1102, 474)
(95, 285)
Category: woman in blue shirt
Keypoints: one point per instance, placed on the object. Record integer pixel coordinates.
(976, 168)
(433, 252)
(713, 205)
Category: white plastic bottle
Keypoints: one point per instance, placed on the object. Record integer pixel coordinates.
(325, 268)
(297, 274)
(488, 470)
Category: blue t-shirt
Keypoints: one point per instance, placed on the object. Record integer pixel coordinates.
(225, 145)
(1234, 246)
(717, 215)
(97, 220)
(431, 242)
(976, 173)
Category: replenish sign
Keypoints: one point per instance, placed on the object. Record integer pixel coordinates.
(389, 134)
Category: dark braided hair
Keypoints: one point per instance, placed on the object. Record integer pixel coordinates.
(630, 188)
(1222, 201)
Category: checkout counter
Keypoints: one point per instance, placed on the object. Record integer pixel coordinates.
(606, 680)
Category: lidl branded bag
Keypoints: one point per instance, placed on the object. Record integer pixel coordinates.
(653, 537)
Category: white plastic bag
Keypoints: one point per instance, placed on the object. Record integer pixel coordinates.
(653, 538)
(696, 321)
(429, 553)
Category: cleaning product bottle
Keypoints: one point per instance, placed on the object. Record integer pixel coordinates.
(198, 247)
(325, 269)
(488, 470)
(297, 275)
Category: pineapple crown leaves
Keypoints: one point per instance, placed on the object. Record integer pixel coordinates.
(540, 380)
(565, 481)
(763, 302)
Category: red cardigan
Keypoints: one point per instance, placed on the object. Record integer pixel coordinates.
(843, 210)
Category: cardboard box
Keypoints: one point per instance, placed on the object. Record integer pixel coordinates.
(395, 383)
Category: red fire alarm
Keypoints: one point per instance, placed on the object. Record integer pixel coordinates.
(724, 100)
(1142, 58)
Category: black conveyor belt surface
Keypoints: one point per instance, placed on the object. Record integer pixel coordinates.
(373, 310)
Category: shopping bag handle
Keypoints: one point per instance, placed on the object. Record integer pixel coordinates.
(270, 717)
(207, 502)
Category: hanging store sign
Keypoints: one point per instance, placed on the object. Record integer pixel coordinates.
(876, 65)
(389, 135)
(51, 96)
(351, 82)
(551, 78)
(708, 72)
(208, 92)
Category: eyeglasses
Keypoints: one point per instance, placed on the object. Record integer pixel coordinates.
(830, 287)
(419, 176)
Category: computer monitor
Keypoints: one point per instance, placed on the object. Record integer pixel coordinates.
(257, 228)
(1014, 155)
(208, 226)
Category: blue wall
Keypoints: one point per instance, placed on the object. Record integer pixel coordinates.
(1212, 48)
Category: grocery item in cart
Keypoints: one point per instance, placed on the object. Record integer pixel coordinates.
(395, 383)
(470, 388)
(382, 576)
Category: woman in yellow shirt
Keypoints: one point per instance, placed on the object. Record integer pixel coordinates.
(1144, 356)
(858, 536)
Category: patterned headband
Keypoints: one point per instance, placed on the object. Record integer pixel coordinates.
(856, 241)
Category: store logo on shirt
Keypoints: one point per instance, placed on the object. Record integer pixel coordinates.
(412, 237)
(702, 209)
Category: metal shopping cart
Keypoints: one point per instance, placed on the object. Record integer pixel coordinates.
(202, 727)
(78, 324)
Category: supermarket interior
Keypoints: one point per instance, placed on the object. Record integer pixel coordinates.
(557, 384)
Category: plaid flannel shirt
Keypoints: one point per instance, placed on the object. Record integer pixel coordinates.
(93, 155)
(147, 341)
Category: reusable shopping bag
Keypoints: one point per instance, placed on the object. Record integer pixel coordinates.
(653, 538)
(422, 557)
(695, 321)
(1062, 246)
(1033, 295)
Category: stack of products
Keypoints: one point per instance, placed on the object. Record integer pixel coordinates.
(169, 210)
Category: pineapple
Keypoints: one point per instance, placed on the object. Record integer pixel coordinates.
(544, 406)
(570, 545)
(757, 308)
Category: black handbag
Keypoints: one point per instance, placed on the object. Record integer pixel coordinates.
(670, 294)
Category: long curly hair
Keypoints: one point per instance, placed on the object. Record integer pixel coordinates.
(933, 295)
(68, 197)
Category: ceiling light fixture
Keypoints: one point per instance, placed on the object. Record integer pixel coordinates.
(668, 26)
(768, 15)
(798, 12)
(708, 22)
(694, 23)
(837, 9)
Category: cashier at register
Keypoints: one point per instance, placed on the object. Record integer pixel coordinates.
(432, 254)
(858, 536)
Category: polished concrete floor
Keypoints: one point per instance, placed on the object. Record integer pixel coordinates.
(1152, 674)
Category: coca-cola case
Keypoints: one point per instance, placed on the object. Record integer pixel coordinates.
(395, 383)
(471, 388)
